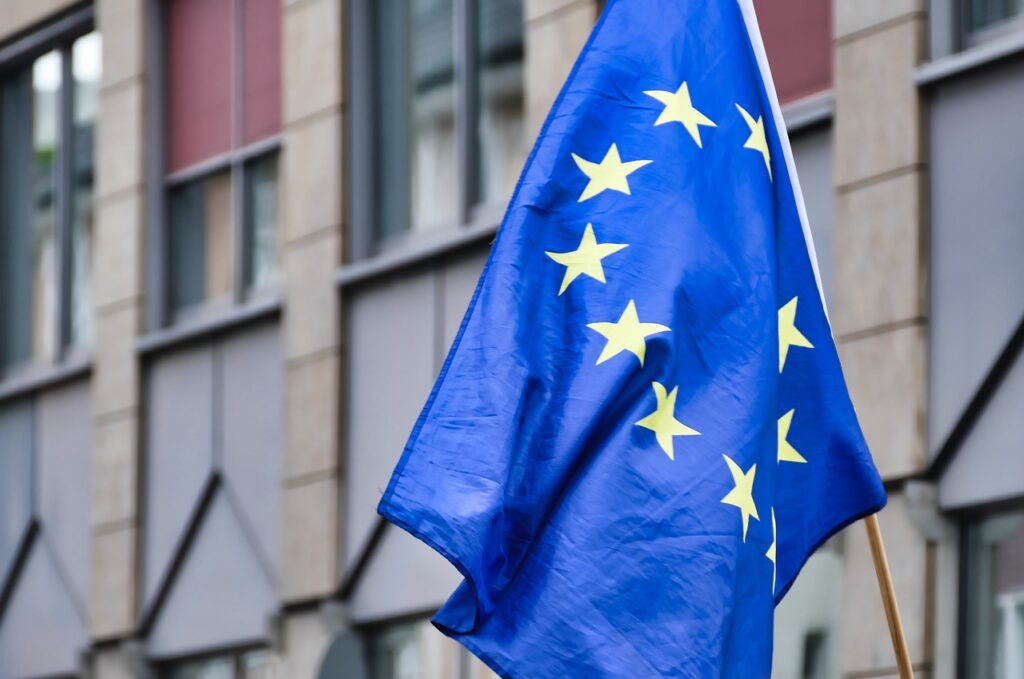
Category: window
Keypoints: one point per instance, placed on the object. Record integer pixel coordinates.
(807, 620)
(444, 112)
(246, 665)
(994, 615)
(47, 122)
(415, 650)
(984, 18)
(223, 119)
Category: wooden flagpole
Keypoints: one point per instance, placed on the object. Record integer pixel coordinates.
(892, 611)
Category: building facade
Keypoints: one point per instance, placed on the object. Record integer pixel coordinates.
(238, 236)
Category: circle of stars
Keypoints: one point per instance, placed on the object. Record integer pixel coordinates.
(629, 333)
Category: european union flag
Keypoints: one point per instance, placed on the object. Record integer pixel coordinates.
(642, 431)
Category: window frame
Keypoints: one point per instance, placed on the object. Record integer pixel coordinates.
(159, 312)
(969, 520)
(60, 36)
(361, 168)
(236, 654)
(973, 37)
(949, 29)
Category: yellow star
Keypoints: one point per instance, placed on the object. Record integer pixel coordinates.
(742, 495)
(627, 334)
(679, 109)
(757, 141)
(789, 336)
(771, 552)
(610, 173)
(787, 453)
(586, 259)
(663, 421)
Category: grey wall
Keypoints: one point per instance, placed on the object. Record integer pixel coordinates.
(977, 276)
(45, 464)
(15, 479)
(213, 408)
(399, 330)
(812, 151)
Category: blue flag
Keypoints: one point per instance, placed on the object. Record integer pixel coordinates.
(642, 430)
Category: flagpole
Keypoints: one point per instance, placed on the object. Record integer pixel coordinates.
(892, 611)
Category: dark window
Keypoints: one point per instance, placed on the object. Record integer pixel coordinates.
(990, 17)
(47, 123)
(245, 665)
(994, 615)
(223, 107)
(413, 649)
(445, 112)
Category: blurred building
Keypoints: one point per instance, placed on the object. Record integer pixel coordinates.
(237, 237)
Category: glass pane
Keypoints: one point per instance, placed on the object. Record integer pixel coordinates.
(86, 67)
(996, 590)
(257, 665)
(414, 650)
(500, 127)
(986, 13)
(261, 195)
(15, 219)
(807, 621)
(46, 81)
(201, 263)
(214, 668)
(417, 150)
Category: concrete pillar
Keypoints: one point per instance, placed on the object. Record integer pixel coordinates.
(118, 300)
(19, 15)
(880, 309)
(311, 241)
(556, 31)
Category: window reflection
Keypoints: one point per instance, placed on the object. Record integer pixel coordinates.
(807, 620)
(501, 120)
(86, 69)
(256, 664)
(985, 13)
(200, 222)
(995, 546)
(415, 106)
(261, 196)
(424, 72)
(416, 650)
(46, 81)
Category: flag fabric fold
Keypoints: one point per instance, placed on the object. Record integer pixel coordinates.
(642, 430)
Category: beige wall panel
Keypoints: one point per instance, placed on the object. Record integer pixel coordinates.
(878, 116)
(879, 255)
(886, 377)
(112, 598)
(19, 15)
(309, 568)
(867, 646)
(853, 16)
(312, 57)
(553, 42)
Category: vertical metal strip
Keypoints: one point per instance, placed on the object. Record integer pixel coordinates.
(157, 259)
(64, 203)
(466, 114)
(360, 131)
(239, 211)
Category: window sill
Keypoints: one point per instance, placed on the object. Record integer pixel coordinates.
(38, 378)
(970, 59)
(208, 326)
(411, 254)
(810, 111)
